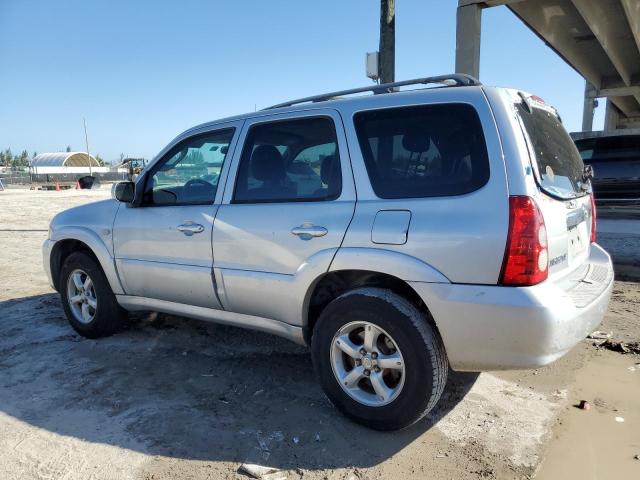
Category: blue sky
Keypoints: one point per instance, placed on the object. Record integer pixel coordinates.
(141, 72)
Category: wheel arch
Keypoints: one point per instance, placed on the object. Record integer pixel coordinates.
(337, 282)
(81, 239)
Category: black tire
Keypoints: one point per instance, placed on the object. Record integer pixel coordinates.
(425, 359)
(109, 315)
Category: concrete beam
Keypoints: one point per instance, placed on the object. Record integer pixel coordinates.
(468, 30)
(632, 11)
(611, 116)
(615, 92)
(588, 107)
(616, 82)
(597, 16)
(629, 123)
(627, 105)
(486, 3)
(560, 40)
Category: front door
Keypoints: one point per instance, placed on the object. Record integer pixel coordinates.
(163, 247)
(285, 214)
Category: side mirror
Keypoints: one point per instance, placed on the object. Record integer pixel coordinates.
(123, 191)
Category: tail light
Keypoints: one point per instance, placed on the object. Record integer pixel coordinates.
(526, 259)
(593, 218)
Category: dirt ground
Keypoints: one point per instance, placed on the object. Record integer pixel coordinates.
(177, 398)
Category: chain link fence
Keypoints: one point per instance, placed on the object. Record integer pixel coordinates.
(15, 178)
(9, 178)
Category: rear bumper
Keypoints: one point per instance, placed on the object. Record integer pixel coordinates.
(47, 247)
(487, 327)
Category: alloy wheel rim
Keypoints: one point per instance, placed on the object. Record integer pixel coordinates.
(367, 363)
(81, 296)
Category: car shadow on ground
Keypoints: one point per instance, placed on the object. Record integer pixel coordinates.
(187, 389)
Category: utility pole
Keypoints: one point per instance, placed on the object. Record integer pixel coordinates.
(86, 142)
(387, 59)
(387, 67)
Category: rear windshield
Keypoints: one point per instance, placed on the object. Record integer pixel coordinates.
(560, 168)
(610, 148)
(425, 151)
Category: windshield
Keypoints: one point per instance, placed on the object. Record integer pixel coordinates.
(559, 166)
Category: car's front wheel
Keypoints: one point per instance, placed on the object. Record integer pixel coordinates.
(87, 299)
(378, 359)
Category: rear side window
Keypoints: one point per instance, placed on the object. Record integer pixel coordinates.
(425, 151)
(290, 161)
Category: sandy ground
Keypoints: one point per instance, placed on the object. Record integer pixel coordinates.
(176, 398)
(621, 236)
(596, 443)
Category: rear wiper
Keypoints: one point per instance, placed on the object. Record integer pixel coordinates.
(587, 176)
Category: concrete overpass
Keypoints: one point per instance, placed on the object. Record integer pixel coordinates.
(600, 39)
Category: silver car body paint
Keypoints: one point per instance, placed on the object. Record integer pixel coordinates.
(247, 268)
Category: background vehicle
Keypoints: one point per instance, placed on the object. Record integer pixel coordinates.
(399, 235)
(616, 164)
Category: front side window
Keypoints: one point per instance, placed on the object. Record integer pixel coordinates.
(289, 161)
(189, 173)
(424, 151)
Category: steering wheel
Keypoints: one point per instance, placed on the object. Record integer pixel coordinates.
(198, 189)
(197, 182)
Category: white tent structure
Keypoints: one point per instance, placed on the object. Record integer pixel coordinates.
(65, 159)
(70, 166)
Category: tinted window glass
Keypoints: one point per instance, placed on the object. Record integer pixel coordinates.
(189, 173)
(610, 148)
(289, 161)
(426, 151)
(560, 168)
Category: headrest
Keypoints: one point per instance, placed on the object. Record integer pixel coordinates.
(329, 169)
(267, 163)
(416, 142)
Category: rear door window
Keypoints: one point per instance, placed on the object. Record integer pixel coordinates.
(424, 151)
(290, 161)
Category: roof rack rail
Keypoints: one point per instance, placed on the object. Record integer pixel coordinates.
(452, 80)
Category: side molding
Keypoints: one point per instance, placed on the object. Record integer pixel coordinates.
(251, 322)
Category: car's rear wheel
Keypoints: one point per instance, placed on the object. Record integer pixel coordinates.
(378, 359)
(87, 299)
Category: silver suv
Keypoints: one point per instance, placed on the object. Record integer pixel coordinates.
(397, 235)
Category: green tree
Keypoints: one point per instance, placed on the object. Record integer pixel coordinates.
(99, 160)
(8, 157)
(68, 148)
(20, 160)
(2, 159)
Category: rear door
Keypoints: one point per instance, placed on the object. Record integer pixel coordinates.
(287, 204)
(431, 182)
(559, 172)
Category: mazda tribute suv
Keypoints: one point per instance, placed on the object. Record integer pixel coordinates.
(398, 234)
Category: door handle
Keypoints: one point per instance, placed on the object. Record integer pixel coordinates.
(189, 228)
(307, 231)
